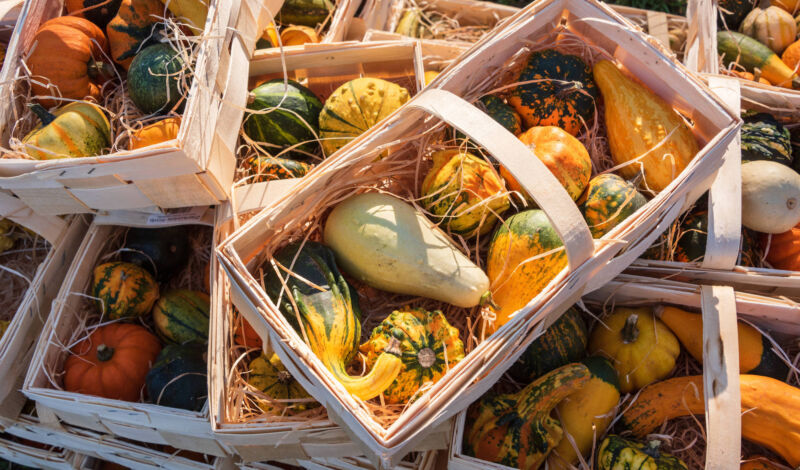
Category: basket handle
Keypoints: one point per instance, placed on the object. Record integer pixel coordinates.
(523, 164)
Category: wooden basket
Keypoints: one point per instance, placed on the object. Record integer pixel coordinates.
(719, 265)
(193, 170)
(590, 266)
(29, 456)
(718, 305)
(306, 443)
(142, 422)
(436, 54)
(324, 67)
(32, 306)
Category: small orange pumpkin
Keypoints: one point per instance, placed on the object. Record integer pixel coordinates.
(161, 131)
(112, 362)
(783, 251)
(68, 55)
(564, 155)
(791, 56)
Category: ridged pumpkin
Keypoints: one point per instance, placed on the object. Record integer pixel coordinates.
(355, 107)
(430, 346)
(181, 316)
(178, 378)
(156, 133)
(288, 120)
(617, 453)
(266, 168)
(99, 12)
(112, 362)
(564, 155)
(154, 80)
(69, 57)
(607, 202)
(586, 414)
(516, 278)
(764, 138)
(642, 349)
(77, 129)
(772, 26)
(561, 343)
(562, 92)
(270, 377)
(782, 250)
(517, 430)
(770, 410)
(464, 192)
(123, 290)
(640, 123)
(327, 310)
(133, 28)
(755, 350)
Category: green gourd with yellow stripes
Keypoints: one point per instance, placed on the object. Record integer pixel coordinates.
(181, 316)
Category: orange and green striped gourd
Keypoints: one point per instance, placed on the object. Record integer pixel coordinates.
(77, 129)
(430, 347)
(270, 376)
(181, 316)
(516, 429)
(517, 266)
(123, 290)
(327, 315)
(607, 201)
(133, 28)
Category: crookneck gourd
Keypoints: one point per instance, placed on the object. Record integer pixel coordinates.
(770, 410)
(516, 429)
(641, 347)
(755, 350)
(327, 315)
(430, 347)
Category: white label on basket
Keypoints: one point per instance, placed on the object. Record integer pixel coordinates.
(175, 216)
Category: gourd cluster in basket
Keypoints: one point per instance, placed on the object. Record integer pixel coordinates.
(298, 22)
(620, 394)
(770, 147)
(758, 40)
(153, 282)
(21, 252)
(110, 74)
(382, 262)
(423, 20)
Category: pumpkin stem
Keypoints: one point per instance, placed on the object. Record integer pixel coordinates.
(630, 332)
(426, 357)
(567, 88)
(394, 347)
(104, 353)
(486, 299)
(100, 70)
(251, 98)
(44, 115)
(284, 377)
(652, 448)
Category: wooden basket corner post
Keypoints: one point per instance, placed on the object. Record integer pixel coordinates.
(591, 265)
(195, 168)
(74, 315)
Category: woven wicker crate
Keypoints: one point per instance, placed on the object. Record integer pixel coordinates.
(34, 271)
(46, 458)
(144, 422)
(307, 442)
(194, 169)
(590, 268)
(721, 445)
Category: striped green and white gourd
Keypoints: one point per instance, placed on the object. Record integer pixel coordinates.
(181, 316)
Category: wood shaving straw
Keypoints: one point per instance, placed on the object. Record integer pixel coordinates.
(17, 268)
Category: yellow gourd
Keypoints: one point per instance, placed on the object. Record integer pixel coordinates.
(641, 124)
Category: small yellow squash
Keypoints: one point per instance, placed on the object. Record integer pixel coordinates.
(156, 133)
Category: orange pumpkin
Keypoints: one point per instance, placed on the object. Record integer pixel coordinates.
(112, 362)
(783, 251)
(161, 131)
(133, 29)
(564, 155)
(791, 56)
(245, 335)
(68, 57)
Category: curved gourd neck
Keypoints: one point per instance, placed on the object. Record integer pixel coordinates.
(383, 373)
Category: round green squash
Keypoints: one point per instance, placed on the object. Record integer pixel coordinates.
(161, 251)
(563, 342)
(305, 12)
(607, 201)
(181, 316)
(154, 82)
(562, 93)
(178, 378)
(293, 119)
(123, 290)
(764, 138)
(617, 453)
(430, 346)
(265, 168)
